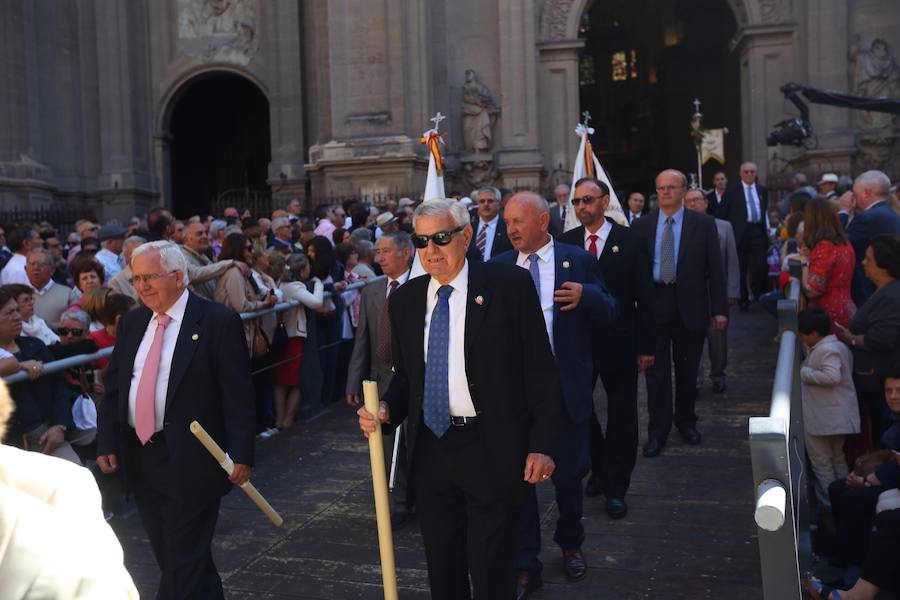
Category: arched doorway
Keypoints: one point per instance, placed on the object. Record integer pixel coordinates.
(218, 140)
(642, 65)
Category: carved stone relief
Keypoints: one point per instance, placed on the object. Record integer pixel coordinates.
(218, 30)
(875, 74)
(555, 18)
(479, 114)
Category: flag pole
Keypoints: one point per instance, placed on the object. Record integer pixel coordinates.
(696, 120)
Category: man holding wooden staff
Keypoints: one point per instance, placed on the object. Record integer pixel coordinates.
(477, 382)
(178, 358)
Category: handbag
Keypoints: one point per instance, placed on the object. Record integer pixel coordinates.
(279, 338)
(259, 343)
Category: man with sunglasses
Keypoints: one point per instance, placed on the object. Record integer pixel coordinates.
(621, 349)
(476, 380)
(574, 302)
(489, 231)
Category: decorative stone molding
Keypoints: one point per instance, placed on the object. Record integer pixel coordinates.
(555, 19)
(218, 30)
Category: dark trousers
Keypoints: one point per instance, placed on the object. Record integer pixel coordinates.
(854, 511)
(674, 342)
(469, 520)
(870, 389)
(572, 464)
(717, 348)
(180, 531)
(752, 259)
(882, 566)
(613, 455)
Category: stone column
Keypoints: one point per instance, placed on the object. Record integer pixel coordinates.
(559, 106)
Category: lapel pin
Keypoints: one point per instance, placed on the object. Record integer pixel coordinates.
(195, 337)
(615, 249)
(479, 300)
(565, 264)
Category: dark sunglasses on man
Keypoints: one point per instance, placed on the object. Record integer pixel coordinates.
(67, 331)
(441, 238)
(585, 199)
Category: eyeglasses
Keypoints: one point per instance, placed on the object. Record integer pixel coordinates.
(585, 199)
(68, 331)
(150, 277)
(441, 238)
(668, 188)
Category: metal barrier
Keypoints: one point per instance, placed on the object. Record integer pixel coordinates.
(778, 456)
(58, 366)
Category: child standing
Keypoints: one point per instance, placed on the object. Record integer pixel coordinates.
(830, 409)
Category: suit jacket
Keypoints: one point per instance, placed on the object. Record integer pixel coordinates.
(700, 277)
(501, 241)
(209, 381)
(878, 219)
(627, 272)
(52, 303)
(730, 261)
(513, 379)
(574, 331)
(364, 361)
(557, 226)
(712, 203)
(734, 208)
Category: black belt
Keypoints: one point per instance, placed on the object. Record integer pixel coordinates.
(462, 421)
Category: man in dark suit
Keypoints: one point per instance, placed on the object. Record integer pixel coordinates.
(371, 358)
(476, 380)
(636, 204)
(623, 347)
(714, 196)
(873, 216)
(558, 210)
(489, 238)
(689, 282)
(178, 358)
(574, 303)
(745, 205)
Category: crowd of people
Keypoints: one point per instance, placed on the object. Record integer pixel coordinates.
(645, 298)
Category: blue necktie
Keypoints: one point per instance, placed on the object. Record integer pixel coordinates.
(437, 385)
(754, 209)
(535, 271)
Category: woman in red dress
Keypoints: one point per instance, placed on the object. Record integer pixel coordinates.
(828, 262)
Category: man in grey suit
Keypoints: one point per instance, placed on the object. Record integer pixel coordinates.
(716, 339)
(371, 358)
(558, 210)
(50, 298)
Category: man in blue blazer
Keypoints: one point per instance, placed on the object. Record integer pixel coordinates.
(874, 217)
(574, 303)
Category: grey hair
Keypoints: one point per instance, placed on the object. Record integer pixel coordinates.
(216, 226)
(364, 248)
(489, 190)
(442, 208)
(170, 256)
(400, 240)
(361, 234)
(45, 253)
(560, 188)
(75, 314)
(536, 201)
(233, 229)
(134, 240)
(876, 181)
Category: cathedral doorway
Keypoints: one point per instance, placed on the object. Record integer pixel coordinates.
(643, 64)
(218, 142)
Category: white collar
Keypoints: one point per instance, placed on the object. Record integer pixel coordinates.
(460, 283)
(176, 311)
(490, 223)
(43, 290)
(400, 280)
(601, 233)
(543, 253)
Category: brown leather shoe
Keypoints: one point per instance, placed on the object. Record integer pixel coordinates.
(526, 583)
(574, 565)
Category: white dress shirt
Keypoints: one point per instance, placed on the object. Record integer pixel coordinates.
(750, 195)
(601, 234)
(112, 263)
(170, 336)
(43, 290)
(14, 271)
(489, 235)
(460, 400)
(547, 268)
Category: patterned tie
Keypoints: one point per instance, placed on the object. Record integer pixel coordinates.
(145, 402)
(667, 253)
(481, 240)
(593, 246)
(535, 271)
(754, 209)
(383, 348)
(437, 384)
(563, 216)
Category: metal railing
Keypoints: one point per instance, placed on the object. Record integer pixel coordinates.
(63, 364)
(778, 456)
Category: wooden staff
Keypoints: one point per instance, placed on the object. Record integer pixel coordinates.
(380, 488)
(228, 465)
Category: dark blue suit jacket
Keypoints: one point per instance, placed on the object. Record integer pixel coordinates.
(879, 219)
(574, 330)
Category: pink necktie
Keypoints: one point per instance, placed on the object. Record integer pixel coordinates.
(145, 402)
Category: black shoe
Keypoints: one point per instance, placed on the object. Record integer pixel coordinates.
(593, 487)
(690, 434)
(718, 387)
(653, 447)
(616, 508)
(526, 583)
(401, 519)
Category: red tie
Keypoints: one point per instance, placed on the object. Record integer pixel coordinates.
(593, 247)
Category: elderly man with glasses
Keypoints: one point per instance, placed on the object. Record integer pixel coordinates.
(50, 298)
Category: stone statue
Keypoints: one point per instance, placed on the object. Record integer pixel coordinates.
(479, 113)
(875, 75)
(218, 29)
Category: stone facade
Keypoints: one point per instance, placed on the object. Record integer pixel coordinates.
(90, 86)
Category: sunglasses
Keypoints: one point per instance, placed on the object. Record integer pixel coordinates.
(441, 238)
(584, 199)
(67, 331)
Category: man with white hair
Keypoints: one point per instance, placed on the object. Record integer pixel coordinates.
(558, 210)
(477, 383)
(178, 358)
(874, 216)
